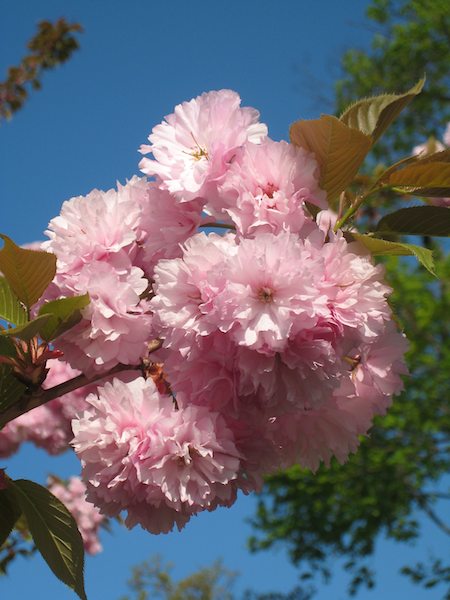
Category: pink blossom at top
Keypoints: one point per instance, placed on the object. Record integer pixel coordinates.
(137, 449)
(86, 515)
(267, 186)
(193, 146)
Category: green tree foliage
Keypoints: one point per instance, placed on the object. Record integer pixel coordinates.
(52, 45)
(398, 474)
(153, 580)
(412, 37)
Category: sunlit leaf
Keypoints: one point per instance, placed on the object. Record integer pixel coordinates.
(28, 330)
(338, 149)
(63, 314)
(372, 116)
(54, 532)
(10, 307)
(379, 247)
(28, 272)
(417, 220)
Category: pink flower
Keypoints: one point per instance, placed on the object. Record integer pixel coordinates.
(165, 224)
(278, 327)
(267, 186)
(377, 367)
(116, 325)
(137, 449)
(100, 226)
(193, 147)
(86, 515)
(186, 287)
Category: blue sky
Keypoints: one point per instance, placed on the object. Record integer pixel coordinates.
(82, 130)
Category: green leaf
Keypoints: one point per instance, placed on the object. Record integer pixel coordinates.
(443, 156)
(372, 116)
(54, 532)
(417, 220)
(339, 150)
(28, 272)
(10, 307)
(28, 330)
(428, 179)
(63, 314)
(10, 512)
(379, 247)
(11, 389)
(7, 348)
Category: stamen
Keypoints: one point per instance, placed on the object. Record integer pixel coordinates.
(198, 153)
(265, 294)
(270, 189)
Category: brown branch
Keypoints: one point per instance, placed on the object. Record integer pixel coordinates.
(37, 398)
(423, 504)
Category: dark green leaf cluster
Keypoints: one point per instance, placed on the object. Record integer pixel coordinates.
(430, 575)
(52, 45)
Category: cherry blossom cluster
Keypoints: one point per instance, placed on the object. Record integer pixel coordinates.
(278, 345)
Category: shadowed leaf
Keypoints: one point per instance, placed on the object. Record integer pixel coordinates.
(54, 532)
(417, 220)
(9, 511)
(11, 389)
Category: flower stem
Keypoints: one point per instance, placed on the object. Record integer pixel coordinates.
(33, 399)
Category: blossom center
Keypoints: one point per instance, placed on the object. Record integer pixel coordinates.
(265, 294)
(353, 362)
(270, 189)
(199, 153)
